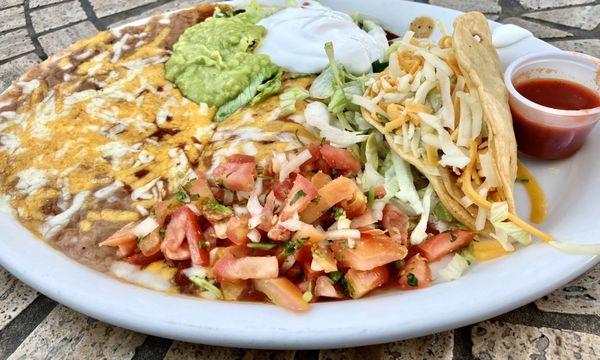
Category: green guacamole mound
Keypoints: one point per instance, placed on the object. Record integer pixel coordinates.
(214, 61)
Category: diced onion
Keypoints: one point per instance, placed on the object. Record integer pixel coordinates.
(294, 164)
(342, 234)
(145, 227)
(420, 231)
(254, 236)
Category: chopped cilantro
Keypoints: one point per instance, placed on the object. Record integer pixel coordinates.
(297, 196)
(371, 197)
(137, 240)
(290, 247)
(318, 252)
(347, 286)
(181, 195)
(333, 171)
(214, 206)
(338, 213)
(162, 232)
(335, 276)
(344, 245)
(412, 280)
(261, 246)
(200, 244)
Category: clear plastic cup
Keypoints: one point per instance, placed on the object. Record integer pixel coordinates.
(545, 132)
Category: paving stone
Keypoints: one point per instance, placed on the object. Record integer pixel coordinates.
(498, 340)
(7, 3)
(586, 46)
(582, 296)
(15, 296)
(484, 6)
(60, 39)
(170, 6)
(439, 346)
(582, 17)
(104, 8)
(66, 334)
(12, 18)
(546, 4)
(539, 30)
(15, 43)
(37, 3)
(11, 70)
(184, 351)
(57, 16)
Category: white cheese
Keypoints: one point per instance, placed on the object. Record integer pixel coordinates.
(115, 151)
(30, 180)
(54, 224)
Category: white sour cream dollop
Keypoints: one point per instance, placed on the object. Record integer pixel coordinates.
(296, 39)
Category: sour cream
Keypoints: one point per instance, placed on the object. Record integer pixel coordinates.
(296, 39)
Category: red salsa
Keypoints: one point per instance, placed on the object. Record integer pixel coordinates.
(540, 139)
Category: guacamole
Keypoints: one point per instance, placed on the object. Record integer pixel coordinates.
(214, 61)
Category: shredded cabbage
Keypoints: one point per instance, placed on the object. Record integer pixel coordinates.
(406, 191)
(506, 229)
(287, 100)
(322, 86)
(317, 115)
(455, 268)
(419, 233)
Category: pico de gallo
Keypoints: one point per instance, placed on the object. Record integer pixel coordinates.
(297, 231)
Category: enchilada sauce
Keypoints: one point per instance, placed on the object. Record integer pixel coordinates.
(543, 140)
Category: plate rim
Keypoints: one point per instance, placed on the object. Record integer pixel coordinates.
(214, 335)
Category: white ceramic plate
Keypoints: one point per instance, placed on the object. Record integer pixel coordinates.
(489, 289)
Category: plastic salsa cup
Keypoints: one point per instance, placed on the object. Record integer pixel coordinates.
(541, 131)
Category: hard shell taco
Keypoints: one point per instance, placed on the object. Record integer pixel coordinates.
(443, 108)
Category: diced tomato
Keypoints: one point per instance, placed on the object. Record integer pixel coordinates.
(340, 159)
(324, 287)
(143, 260)
(302, 193)
(362, 282)
(282, 292)
(440, 245)
(229, 268)
(237, 173)
(195, 240)
(339, 189)
(282, 189)
(320, 179)
(164, 209)
(324, 258)
(237, 230)
(184, 225)
(123, 236)
(267, 213)
(200, 187)
(363, 220)
(415, 274)
(369, 253)
(126, 249)
(355, 206)
(310, 233)
(370, 233)
(279, 233)
(303, 255)
(180, 253)
(395, 221)
(150, 244)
